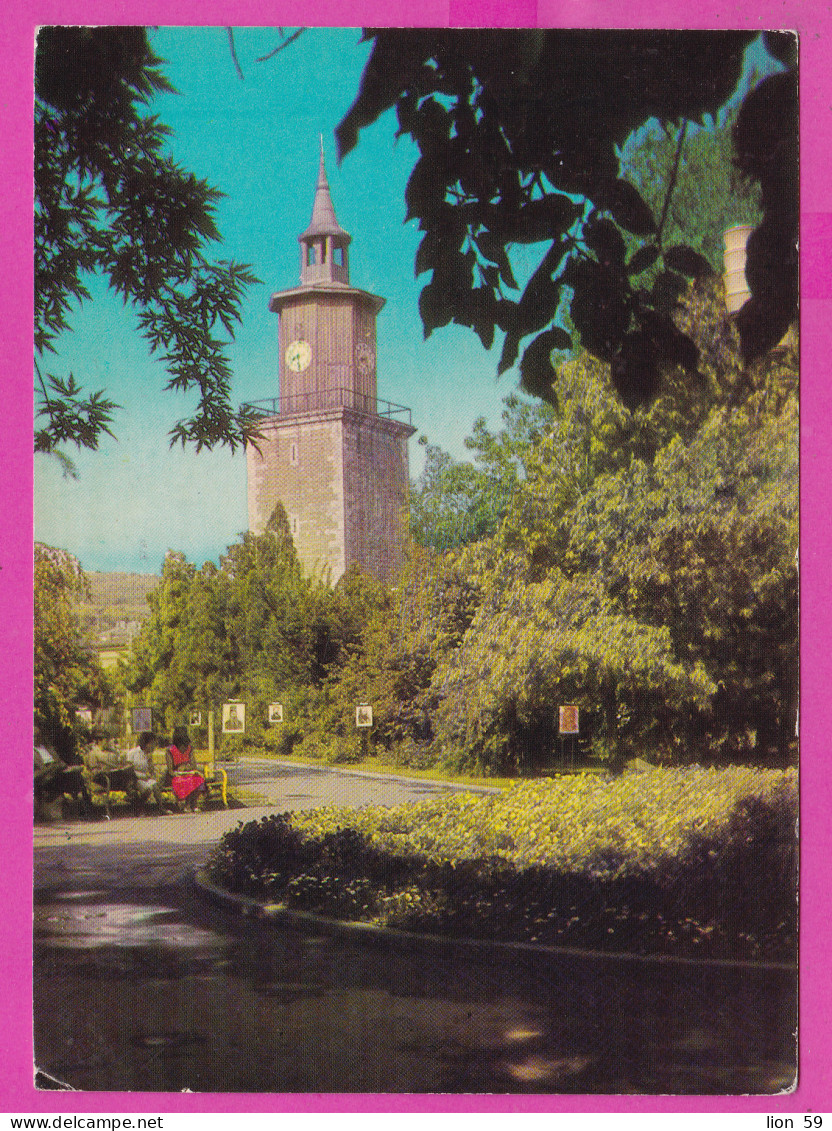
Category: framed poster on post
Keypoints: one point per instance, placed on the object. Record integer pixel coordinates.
(364, 715)
(233, 718)
(568, 719)
(141, 719)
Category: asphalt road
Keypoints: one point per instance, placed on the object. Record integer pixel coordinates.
(141, 985)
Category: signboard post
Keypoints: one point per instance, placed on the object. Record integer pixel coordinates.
(364, 720)
(364, 715)
(568, 730)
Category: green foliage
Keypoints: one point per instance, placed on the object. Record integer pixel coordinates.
(407, 634)
(452, 503)
(710, 193)
(648, 577)
(455, 503)
(644, 569)
(651, 862)
(520, 133)
(255, 629)
(67, 671)
(533, 645)
(108, 200)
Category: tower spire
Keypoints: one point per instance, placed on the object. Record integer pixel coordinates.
(324, 243)
(323, 222)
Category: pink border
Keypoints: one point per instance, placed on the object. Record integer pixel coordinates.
(812, 19)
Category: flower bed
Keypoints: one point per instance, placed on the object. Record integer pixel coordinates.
(688, 861)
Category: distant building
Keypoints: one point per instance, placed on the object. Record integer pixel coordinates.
(113, 644)
(332, 453)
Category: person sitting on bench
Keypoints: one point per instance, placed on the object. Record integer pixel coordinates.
(53, 777)
(139, 758)
(185, 779)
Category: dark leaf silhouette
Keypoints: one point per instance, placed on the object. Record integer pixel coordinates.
(766, 141)
(625, 203)
(645, 257)
(519, 135)
(536, 370)
(687, 261)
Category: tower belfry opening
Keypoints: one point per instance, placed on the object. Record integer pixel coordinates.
(332, 453)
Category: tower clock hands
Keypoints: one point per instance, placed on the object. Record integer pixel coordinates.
(298, 356)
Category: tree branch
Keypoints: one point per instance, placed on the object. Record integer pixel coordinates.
(279, 48)
(672, 182)
(233, 51)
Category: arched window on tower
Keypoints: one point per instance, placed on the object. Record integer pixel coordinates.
(338, 256)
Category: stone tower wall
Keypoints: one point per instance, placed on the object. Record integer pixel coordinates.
(300, 464)
(376, 486)
(342, 478)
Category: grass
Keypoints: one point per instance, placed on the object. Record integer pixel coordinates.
(377, 765)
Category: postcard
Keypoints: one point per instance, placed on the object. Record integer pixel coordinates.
(423, 710)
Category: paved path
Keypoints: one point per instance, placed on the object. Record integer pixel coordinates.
(152, 851)
(141, 985)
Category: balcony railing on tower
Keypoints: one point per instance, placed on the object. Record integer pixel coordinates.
(318, 400)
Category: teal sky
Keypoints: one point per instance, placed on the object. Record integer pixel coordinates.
(258, 141)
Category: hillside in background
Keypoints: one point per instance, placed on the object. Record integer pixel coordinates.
(117, 599)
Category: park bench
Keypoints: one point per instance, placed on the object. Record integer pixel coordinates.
(216, 782)
(110, 776)
(50, 791)
(116, 779)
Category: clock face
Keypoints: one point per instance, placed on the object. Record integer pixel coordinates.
(298, 355)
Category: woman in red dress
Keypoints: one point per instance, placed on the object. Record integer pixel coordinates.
(186, 780)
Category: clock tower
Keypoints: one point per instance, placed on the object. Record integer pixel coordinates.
(332, 453)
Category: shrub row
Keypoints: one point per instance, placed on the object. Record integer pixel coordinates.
(671, 861)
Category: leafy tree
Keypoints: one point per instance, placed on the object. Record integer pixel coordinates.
(452, 503)
(455, 503)
(68, 674)
(281, 621)
(109, 200)
(205, 644)
(647, 575)
(710, 194)
(504, 455)
(156, 663)
(406, 634)
(256, 628)
(519, 136)
(534, 644)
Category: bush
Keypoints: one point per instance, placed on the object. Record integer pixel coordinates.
(698, 861)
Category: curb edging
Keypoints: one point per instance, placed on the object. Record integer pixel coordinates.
(249, 907)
